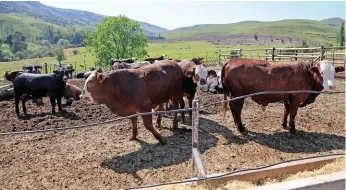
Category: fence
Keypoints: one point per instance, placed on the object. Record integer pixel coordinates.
(198, 169)
(334, 54)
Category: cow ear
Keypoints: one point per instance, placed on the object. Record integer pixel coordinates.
(100, 77)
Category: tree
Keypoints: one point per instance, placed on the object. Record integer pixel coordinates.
(116, 37)
(255, 36)
(17, 42)
(305, 44)
(63, 43)
(60, 55)
(342, 34)
(75, 51)
(337, 37)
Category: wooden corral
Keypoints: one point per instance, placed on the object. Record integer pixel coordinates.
(335, 54)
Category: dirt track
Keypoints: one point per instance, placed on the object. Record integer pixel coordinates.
(102, 157)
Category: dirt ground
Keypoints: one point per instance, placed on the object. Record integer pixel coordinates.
(103, 157)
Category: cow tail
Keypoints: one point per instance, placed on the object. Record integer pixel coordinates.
(225, 90)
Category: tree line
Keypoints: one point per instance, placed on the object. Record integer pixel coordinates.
(18, 45)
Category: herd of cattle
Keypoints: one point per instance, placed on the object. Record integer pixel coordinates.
(135, 87)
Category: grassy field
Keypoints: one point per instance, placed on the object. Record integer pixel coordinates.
(181, 50)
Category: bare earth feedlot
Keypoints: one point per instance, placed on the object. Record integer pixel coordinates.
(103, 157)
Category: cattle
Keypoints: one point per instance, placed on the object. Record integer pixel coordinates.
(214, 82)
(87, 74)
(121, 65)
(130, 91)
(339, 69)
(245, 76)
(72, 92)
(38, 86)
(152, 60)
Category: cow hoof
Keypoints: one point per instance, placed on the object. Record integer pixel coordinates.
(292, 131)
(242, 129)
(284, 125)
(133, 139)
(163, 141)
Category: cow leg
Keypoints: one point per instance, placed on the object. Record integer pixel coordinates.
(175, 102)
(134, 128)
(286, 113)
(293, 107)
(236, 107)
(26, 97)
(59, 104)
(159, 116)
(148, 124)
(52, 103)
(16, 101)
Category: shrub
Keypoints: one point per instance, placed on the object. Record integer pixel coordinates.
(75, 51)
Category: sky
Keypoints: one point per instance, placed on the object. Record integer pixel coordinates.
(175, 14)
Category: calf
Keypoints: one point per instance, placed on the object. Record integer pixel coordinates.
(245, 76)
(38, 86)
(214, 82)
(72, 92)
(130, 91)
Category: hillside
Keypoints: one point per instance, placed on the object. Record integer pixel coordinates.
(318, 32)
(33, 16)
(333, 22)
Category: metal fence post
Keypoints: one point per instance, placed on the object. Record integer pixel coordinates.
(219, 57)
(197, 163)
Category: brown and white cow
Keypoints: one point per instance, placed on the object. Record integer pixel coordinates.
(246, 76)
(130, 91)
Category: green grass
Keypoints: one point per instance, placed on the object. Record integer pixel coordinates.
(25, 23)
(181, 50)
(305, 29)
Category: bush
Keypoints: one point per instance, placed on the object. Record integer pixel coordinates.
(20, 55)
(75, 51)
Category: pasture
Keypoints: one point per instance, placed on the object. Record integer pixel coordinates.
(178, 50)
(103, 157)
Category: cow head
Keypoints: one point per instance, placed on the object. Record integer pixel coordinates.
(198, 60)
(327, 71)
(10, 76)
(93, 87)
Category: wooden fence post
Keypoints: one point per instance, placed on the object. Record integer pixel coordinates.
(46, 68)
(296, 55)
(322, 53)
(273, 53)
(240, 53)
(333, 55)
(266, 54)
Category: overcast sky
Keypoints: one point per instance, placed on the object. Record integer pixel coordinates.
(175, 14)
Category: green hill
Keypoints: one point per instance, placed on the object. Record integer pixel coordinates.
(311, 30)
(32, 16)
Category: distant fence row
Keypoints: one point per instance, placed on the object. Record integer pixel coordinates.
(217, 57)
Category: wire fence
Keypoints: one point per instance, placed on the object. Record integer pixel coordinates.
(198, 166)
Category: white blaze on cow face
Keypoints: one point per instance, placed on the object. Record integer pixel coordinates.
(85, 92)
(202, 73)
(219, 79)
(327, 72)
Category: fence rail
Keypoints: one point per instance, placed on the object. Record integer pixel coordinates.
(334, 54)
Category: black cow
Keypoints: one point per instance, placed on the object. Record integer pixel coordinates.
(39, 86)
